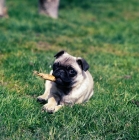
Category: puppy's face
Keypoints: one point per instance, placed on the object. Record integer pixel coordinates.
(64, 73)
(68, 69)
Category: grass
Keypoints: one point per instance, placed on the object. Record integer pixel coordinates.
(103, 32)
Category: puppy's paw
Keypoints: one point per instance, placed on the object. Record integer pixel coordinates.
(49, 108)
(41, 99)
(58, 107)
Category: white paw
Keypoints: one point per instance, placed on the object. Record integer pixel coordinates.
(41, 99)
(49, 108)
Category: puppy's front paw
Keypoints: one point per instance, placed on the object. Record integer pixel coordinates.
(41, 99)
(49, 108)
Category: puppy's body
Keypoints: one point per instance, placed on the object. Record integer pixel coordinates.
(74, 83)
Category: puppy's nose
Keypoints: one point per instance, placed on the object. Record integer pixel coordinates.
(61, 71)
(58, 73)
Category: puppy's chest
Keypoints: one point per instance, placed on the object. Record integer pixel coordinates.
(68, 96)
(67, 100)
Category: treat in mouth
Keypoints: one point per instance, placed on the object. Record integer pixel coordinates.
(45, 76)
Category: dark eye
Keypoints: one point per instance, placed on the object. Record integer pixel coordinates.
(72, 72)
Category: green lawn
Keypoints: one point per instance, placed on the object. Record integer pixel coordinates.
(106, 34)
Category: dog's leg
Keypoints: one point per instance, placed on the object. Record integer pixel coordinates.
(50, 106)
(44, 97)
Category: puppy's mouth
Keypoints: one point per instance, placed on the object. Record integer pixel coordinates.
(62, 83)
(58, 79)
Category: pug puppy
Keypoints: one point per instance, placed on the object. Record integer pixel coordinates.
(73, 85)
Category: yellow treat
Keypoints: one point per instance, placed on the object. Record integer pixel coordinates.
(45, 76)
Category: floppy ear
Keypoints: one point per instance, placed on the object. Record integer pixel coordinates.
(59, 54)
(82, 63)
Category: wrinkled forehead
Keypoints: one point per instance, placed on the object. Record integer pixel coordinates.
(66, 59)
